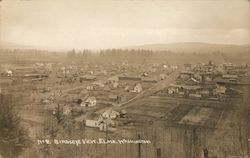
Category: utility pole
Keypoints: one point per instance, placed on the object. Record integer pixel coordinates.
(158, 152)
(1, 96)
(139, 147)
(194, 143)
(248, 109)
(248, 141)
(106, 135)
(205, 153)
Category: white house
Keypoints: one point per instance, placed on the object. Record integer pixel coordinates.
(93, 120)
(9, 73)
(98, 83)
(90, 102)
(220, 90)
(92, 123)
(115, 84)
(66, 110)
(137, 88)
(90, 87)
(110, 114)
(113, 79)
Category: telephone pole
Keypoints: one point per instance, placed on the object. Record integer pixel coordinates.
(139, 146)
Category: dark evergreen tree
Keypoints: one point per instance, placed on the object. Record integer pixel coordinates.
(13, 137)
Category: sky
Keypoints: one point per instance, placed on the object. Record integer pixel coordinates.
(95, 24)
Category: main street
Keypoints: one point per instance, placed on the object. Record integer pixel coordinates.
(150, 91)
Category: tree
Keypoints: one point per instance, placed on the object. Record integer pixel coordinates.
(13, 137)
(71, 54)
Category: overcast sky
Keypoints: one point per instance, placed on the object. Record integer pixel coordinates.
(118, 23)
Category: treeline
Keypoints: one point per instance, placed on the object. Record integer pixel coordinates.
(78, 54)
(129, 53)
(109, 53)
(114, 53)
(26, 53)
(126, 53)
(17, 54)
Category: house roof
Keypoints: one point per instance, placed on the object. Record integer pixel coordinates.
(192, 87)
(229, 76)
(187, 72)
(114, 78)
(88, 77)
(91, 98)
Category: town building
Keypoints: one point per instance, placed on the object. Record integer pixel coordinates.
(90, 102)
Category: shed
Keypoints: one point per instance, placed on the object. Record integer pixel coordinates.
(93, 120)
(87, 78)
(227, 76)
(132, 78)
(92, 123)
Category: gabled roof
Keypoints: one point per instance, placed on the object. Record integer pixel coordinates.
(189, 87)
(229, 76)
